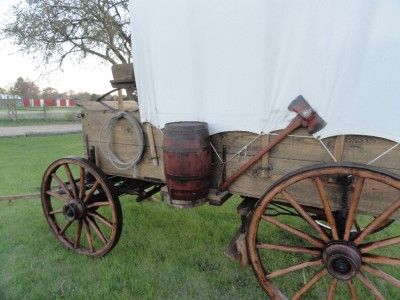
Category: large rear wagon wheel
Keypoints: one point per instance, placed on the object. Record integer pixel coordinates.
(356, 253)
(81, 207)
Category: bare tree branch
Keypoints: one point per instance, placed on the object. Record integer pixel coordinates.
(57, 29)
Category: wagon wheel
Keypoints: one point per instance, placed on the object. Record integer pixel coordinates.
(80, 206)
(292, 252)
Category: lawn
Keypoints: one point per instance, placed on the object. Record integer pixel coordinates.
(163, 253)
(28, 122)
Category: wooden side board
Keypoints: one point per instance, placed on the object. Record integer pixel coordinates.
(124, 141)
(296, 151)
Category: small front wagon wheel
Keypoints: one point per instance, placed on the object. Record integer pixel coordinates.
(81, 207)
(355, 254)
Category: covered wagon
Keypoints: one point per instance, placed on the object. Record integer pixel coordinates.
(291, 105)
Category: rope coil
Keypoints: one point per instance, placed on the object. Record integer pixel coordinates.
(106, 148)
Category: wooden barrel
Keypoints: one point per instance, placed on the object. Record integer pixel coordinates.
(187, 162)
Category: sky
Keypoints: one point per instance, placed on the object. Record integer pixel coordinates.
(91, 75)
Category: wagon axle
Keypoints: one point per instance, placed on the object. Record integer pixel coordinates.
(75, 209)
(342, 260)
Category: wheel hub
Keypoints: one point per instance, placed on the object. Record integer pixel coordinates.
(74, 210)
(342, 260)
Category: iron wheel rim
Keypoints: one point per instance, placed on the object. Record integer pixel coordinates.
(90, 227)
(358, 170)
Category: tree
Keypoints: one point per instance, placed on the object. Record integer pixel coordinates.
(56, 29)
(86, 96)
(25, 88)
(50, 92)
(3, 91)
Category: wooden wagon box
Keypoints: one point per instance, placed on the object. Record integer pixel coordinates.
(298, 150)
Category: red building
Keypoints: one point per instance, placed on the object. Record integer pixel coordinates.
(49, 102)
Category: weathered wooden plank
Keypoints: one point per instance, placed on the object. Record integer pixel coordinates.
(122, 131)
(252, 185)
(92, 106)
(144, 169)
(359, 149)
(339, 146)
(152, 144)
(31, 196)
(374, 199)
(265, 159)
(364, 149)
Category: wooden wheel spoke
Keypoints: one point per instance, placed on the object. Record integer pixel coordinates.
(89, 202)
(91, 191)
(364, 248)
(313, 281)
(355, 200)
(56, 211)
(378, 221)
(368, 283)
(57, 195)
(72, 183)
(384, 260)
(98, 204)
(305, 215)
(311, 239)
(352, 290)
(382, 275)
(332, 289)
(66, 226)
(82, 180)
(101, 218)
(62, 184)
(77, 241)
(327, 207)
(291, 249)
(89, 236)
(306, 264)
(97, 230)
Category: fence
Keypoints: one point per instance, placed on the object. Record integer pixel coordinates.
(13, 110)
(48, 102)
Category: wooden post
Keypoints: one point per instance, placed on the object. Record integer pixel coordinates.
(339, 145)
(265, 159)
(120, 101)
(45, 111)
(15, 109)
(152, 144)
(8, 111)
(12, 109)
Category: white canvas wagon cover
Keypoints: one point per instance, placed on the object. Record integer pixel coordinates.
(237, 64)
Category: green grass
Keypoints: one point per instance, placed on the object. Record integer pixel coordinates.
(27, 122)
(163, 253)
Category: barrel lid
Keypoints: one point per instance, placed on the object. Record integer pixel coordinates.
(186, 126)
